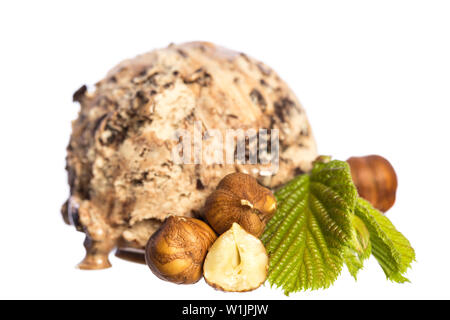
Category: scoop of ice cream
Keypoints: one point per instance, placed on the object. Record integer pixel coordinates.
(122, 174)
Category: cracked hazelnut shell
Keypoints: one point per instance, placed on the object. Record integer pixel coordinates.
(240, 198)
(236, 262)
(177, 250)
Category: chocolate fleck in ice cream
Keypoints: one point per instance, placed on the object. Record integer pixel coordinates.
(123, 180)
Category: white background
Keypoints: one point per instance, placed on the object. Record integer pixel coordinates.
(374, 77)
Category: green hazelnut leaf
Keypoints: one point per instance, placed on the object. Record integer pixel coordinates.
(359, 249)
(391, 249)
(309, 235)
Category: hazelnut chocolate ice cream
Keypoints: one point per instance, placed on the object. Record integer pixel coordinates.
(123, 180)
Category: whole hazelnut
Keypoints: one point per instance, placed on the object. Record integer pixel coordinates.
(177, 250)
(240, 199)
(375, 179)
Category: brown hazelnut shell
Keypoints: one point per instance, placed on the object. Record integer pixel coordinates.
(177, 250)
(240, 198)
(375, 179)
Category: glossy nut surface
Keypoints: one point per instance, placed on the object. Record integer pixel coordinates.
(177, 250)
(375, 179)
